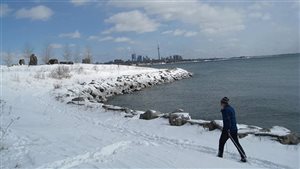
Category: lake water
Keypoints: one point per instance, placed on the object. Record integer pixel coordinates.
(263, 91)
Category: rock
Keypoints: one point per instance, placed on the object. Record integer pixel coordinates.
(178, 110)
(21, 62)
(242, 135)
(129, 115)
(291, 138)
(114, 108)
(179, 119)
(149, 114)
(264, 130)
(52, 61)
(212, 125)
(33, 60)
(127, 110)
(167, 115)
(78, 99)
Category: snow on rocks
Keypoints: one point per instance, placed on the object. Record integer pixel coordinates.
(149, 115)
(179, 118)
(99, 91)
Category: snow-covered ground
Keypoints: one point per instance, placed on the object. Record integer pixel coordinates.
(48, 133)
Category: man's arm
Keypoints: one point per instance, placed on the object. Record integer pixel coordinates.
(226, 120)
(229, 120)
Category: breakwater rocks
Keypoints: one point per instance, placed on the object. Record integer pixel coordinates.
(99, 91)
(179, 118)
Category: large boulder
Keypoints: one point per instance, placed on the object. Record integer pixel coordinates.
(291, 138)
(33, 60)
(149, 114)
(179, 118)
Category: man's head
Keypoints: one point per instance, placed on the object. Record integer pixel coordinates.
(224, 101)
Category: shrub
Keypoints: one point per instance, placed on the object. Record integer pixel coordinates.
(60, 72)
(57, 86)
(4, 128)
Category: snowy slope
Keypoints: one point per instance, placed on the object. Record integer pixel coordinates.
(53, 134)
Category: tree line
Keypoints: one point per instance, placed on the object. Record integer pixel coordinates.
(47, 53)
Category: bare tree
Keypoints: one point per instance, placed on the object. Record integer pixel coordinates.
(77, 55)
(47, 53)
(88, 54)
(8, 58)
(67, 52)
(28, 50)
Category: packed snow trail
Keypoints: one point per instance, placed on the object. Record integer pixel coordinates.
(53, 134)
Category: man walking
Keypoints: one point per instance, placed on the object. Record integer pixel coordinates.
(229, 129)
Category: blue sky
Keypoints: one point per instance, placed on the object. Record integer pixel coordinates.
(115, 29)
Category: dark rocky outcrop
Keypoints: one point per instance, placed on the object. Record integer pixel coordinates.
(149, 114)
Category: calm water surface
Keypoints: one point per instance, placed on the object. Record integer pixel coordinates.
(264, 91)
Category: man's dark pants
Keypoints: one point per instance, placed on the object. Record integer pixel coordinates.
(224, 137)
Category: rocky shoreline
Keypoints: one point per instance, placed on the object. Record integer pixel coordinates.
(97, 92)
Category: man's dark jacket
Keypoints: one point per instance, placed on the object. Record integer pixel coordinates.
(229, 120)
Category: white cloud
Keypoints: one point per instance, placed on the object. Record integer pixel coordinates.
(260, 5)
(133, 21)
(123, 39)
(40, 12)
(107, 38)
(56, 45)
(72, 35)
(259, 15)
(190, 34)
(210, 19)
(80, 2)
(4, 10)
(93, 37)
(110, 38)
(180, 32)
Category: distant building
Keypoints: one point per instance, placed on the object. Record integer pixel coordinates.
(177, 57)
(146, 59)
(158, 52)
(133, 57)
(140, 58)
